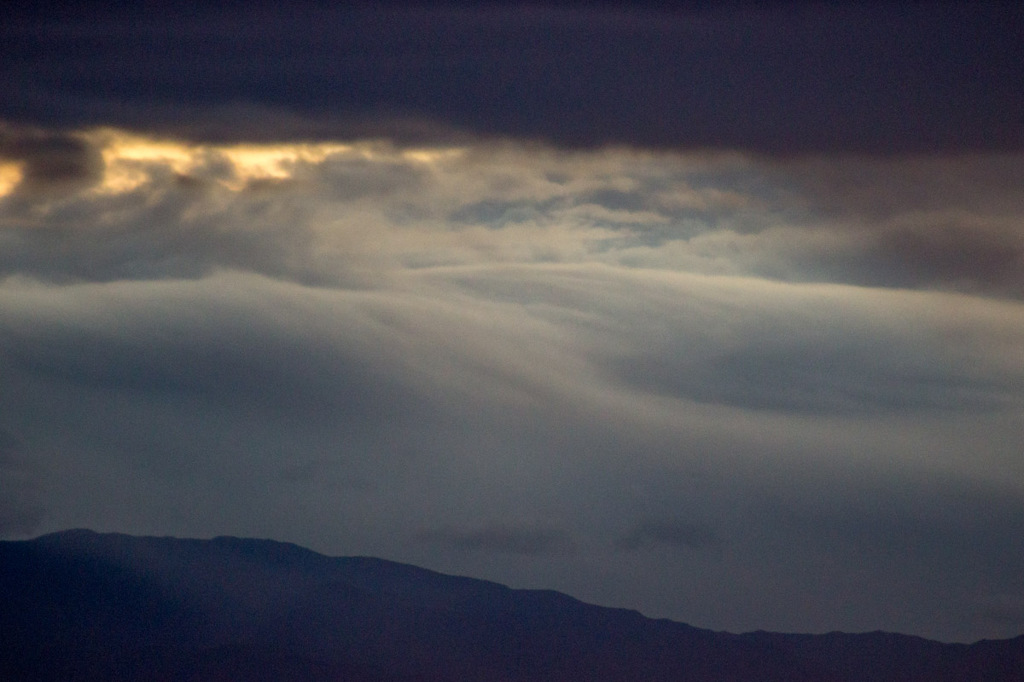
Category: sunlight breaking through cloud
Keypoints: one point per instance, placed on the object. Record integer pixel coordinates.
(576, 369)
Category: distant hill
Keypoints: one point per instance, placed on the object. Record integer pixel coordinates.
(79, 605)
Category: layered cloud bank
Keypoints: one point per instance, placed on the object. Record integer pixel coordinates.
(737, 391)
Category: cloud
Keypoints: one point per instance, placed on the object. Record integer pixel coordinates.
(945, 251)
(349, 213)
(594, 371)
(945, 520)
(1004, 608)
(671, 533)
(500, 539)
(780, 79)
(782, 360)
(938, 222)
(467, 401)
(877, 189)
(21, 489)
(220, 346)
(49, 162)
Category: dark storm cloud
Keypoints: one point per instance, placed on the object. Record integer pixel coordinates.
(792, 77)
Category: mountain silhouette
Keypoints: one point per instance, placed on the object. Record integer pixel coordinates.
(80, 605)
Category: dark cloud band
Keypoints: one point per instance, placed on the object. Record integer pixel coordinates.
(788, 78)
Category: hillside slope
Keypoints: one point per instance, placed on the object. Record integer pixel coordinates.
(79, 605)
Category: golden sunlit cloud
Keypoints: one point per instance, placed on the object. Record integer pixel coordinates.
(128, 160)
(10, 175)
(431, 156)
(274, 162)
(131, 160)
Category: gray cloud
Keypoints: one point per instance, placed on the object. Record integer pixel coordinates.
(21, 489)
(51, 162)
(1004, 608)
(671, 533)
(716, 215)
(660, 365)
(944, 252)
(807, 374)
(212, 348)
(500, 539)
(796, 349)
(799, 77)
(884, 188)
(946, 222)
(734, 338)
(943, 520)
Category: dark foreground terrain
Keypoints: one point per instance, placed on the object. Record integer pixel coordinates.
(85, 606)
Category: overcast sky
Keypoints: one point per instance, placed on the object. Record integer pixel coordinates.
(714, 313)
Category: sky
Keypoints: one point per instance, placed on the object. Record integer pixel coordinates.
(712, 311)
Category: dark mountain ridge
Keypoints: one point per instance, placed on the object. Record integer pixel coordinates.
(80, 605)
